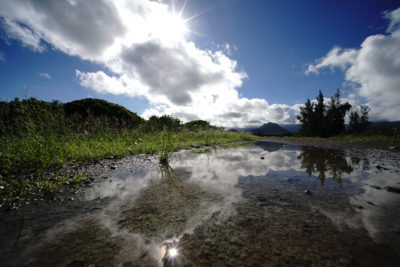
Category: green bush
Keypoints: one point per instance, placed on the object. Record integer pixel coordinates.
(164, 122)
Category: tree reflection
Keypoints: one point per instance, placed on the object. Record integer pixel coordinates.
(323, 162)
(362, 163)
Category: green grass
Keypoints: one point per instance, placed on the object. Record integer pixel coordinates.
(31, 155)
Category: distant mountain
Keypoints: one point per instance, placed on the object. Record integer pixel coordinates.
(275, 129)
(386, 124)
(270, 129)
(293, 128)
(246, 129)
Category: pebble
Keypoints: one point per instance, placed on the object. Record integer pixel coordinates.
(262, 158)
(393, 189)
(308, 192)
(376, 187)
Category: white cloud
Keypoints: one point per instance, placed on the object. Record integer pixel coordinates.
(145, 54)
(45, 75)
(373, 69)
(394, 18)
(24, 34)
(82, 28)
(337, 57)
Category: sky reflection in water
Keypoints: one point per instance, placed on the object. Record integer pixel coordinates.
(140, 211)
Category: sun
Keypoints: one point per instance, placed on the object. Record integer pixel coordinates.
(169, 24)
(172, 26)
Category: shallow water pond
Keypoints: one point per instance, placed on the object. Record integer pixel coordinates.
(258, 205)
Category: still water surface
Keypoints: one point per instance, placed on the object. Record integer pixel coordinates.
(259, 205)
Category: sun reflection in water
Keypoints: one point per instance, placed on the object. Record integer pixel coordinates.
(169, 251)
(173, 252)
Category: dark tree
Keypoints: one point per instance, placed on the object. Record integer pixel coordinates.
(335, 113)
(359, 119)
(319, 116)
(306, 119)
(323, 120)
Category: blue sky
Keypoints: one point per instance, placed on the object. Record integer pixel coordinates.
(238, 63)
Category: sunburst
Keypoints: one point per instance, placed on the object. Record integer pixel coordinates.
(172, 26)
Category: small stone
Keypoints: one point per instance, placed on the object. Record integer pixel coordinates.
(308, 192)
(262, 158)
(1, 187)
(392, 147)
(376, 187)
(393, 189)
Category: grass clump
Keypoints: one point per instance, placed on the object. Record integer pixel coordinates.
(168, 145)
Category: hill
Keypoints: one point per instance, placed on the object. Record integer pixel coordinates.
(36, 116)
(270, 129)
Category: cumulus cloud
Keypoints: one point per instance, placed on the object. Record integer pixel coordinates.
(145, 53)
(171, 71)
(82, 28)
(337, 57)
(373, 69)
(45, 75)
